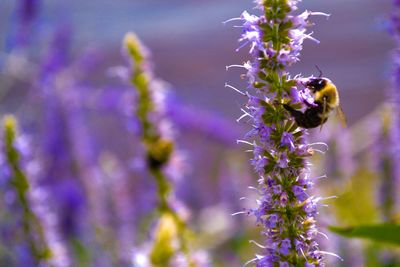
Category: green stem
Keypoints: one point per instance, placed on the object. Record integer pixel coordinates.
(164, 189)
(30, 223)
(158, 149)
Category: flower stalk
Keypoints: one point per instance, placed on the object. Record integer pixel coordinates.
(286, 209)
(159, 146)
(33, 233)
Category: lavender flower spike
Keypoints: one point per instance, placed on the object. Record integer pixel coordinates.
(286, 210)
(159, 145)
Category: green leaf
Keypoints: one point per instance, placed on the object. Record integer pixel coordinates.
(386, 232)
(358, 208)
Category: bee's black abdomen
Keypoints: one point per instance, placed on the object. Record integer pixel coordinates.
(311, 117)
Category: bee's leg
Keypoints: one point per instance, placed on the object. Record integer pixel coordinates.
(299, 116)
(292, 111)
(309, 119)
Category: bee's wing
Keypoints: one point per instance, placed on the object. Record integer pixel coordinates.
(341, 116)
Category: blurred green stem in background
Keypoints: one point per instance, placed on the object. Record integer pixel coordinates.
(33, 232)
(159, 150)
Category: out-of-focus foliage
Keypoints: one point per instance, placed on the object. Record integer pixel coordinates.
(387, 233)
(356, 202)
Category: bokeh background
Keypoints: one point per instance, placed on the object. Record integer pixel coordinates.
(91, 159)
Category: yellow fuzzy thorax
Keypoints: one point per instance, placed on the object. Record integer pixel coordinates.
(330, 93)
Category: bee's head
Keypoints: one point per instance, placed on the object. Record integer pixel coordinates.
(316, 84)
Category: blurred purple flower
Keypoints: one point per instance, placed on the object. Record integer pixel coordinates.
(27, 11)
(386, 130)
(57, 56)
(88, 209)
(208, 124)
(58, 161)
(394, 132)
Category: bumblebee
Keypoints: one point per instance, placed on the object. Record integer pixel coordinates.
(326, 99)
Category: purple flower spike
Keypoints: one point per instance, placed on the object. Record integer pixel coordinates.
(285, 208)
